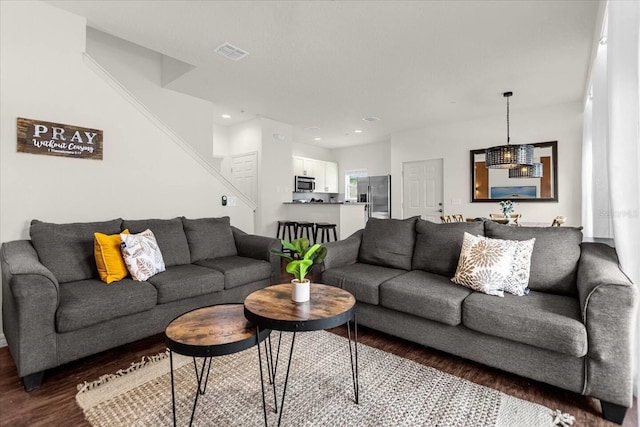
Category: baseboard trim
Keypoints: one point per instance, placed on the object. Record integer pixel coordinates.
(3, 340)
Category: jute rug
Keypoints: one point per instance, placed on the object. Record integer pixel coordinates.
(393, 392)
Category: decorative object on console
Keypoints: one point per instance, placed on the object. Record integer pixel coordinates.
(142, 255)
(508, 156)
(506, 206)
(302, 259)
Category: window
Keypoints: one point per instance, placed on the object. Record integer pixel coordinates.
(351, 183)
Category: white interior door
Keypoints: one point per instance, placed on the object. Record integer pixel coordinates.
(244, 174)
(422, 189)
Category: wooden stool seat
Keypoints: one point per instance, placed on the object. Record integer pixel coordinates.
(287, 228)
(306, 227)
(323, 228)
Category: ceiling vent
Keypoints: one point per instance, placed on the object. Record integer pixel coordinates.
(229, 51)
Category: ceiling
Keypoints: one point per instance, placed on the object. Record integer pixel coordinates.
(329, 64)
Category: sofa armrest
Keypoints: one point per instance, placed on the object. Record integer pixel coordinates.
(30, 296)
(343, 252)
(608, 301)
(258, 247)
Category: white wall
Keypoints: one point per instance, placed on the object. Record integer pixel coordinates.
(143, 174)
(140, 71)
(300, 149)
(452, 142)
(375, 158)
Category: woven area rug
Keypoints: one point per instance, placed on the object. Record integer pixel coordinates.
(393, 392)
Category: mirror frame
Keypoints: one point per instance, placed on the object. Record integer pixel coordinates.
(554, 169)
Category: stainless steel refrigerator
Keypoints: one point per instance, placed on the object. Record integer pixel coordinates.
(375, 191)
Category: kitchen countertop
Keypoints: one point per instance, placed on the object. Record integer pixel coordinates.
(325, 203)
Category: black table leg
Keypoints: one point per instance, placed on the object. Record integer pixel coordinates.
(173, 393)
(264, 402)
(354, 370)
(200, 390)
(286, 379)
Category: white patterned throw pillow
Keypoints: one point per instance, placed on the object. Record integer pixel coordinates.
(142, 255)
(484, 264)
(517, 282)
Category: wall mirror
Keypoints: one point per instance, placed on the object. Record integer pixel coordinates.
(491, 185)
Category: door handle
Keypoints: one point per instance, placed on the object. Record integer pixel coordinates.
(440, 210)
(440, 204)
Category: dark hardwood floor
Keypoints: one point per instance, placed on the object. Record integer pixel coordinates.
(54, 402)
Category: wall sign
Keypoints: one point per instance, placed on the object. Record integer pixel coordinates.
(56, 139)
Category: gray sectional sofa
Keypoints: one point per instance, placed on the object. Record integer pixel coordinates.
(573, 330)
(55, 309)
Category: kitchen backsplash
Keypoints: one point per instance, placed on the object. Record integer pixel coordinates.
(325, 197)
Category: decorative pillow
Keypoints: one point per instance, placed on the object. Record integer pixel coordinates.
(388, 242)
(170, 236)
(484, 264)
(517, 282)
(142, 255)
(106, 249)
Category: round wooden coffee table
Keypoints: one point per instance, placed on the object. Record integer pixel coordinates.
(272, 308)
(207, 332)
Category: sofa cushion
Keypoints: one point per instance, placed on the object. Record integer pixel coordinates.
(239, 270)
(539, 319)
(109, 261)
(388, 242)
(438, 246)
(67, 249)
(362, 280)
(209, 238)
(170, 236)
(88, 302)
(142, 255)
(426, 295)
(554, 262)
(185, 281)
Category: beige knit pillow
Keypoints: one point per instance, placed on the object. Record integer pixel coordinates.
(484, 264)
(142, 255)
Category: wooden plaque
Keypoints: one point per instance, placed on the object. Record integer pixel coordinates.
(57, 139)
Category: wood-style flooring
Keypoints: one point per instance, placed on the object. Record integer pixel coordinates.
(53, 404)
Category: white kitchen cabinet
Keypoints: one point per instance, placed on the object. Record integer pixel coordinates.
(325, 173)
(331, 177)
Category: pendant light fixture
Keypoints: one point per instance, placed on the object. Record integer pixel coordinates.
(526, 171)
(508, 156)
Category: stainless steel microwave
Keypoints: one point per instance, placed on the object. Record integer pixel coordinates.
(304, 184)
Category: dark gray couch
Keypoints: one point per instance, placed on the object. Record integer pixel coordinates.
(574, 330)
(55, 309)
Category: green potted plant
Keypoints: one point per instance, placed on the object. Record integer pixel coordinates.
(301, 257)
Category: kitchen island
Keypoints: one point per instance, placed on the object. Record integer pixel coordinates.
(348, 217)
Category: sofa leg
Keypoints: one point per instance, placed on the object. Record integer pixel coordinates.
(613, 412)
(32, 381)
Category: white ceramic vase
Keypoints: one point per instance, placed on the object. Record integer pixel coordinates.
(300, 291)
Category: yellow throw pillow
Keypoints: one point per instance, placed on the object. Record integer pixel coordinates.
(109, 261)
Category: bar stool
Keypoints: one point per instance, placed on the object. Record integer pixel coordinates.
(323, 228)
(306, 227)
(286, 227)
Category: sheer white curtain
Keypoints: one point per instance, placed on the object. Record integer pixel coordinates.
(611, 141)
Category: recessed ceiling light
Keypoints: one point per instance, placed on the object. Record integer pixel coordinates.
(358, 131)
(317, 138)
(225, 116)
(312, 128)
(370, 119)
